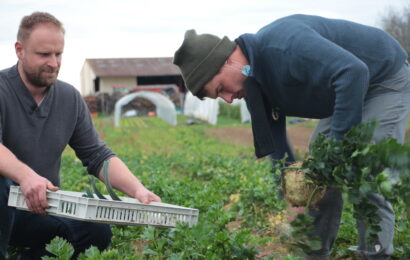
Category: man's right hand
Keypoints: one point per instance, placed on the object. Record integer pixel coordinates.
(34, 190)
(32, 185)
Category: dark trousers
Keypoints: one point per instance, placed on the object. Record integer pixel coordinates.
(6, 216)
(33, 232)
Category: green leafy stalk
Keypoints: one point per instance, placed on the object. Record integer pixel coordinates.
(311, 196)
(301, 240)
(107, 181)
(88, 193)
(96, 190)
(353, 164)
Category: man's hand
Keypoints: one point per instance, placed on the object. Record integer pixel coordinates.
(32, 185)
(34, 190)
(145, 196)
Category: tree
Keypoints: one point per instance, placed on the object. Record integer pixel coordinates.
(398, 25)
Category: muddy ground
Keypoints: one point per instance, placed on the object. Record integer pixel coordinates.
(298, 135)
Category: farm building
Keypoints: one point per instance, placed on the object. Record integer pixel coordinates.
(116, 74)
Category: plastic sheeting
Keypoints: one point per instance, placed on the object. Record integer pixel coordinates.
(165, 108)
(245, 115)
(208, 109)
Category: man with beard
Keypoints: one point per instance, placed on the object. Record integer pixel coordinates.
(39, 116)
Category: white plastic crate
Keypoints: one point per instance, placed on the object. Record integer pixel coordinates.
(128, 211)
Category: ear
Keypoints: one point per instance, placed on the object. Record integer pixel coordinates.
(18, 46)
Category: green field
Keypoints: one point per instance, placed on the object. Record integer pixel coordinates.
(241, 213)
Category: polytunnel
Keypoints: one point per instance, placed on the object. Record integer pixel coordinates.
(165, 108)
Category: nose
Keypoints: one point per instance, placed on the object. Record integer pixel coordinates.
(227, 97)
(53, 61)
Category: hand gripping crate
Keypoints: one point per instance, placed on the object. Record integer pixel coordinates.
(128, 211)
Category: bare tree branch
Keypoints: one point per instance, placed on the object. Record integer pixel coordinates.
(397, 23)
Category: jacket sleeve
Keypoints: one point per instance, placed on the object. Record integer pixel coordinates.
(280, 140)
(85, 141)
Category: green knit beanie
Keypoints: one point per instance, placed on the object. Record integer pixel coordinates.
(200, 57)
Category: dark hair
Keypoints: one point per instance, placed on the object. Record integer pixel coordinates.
(30, 21)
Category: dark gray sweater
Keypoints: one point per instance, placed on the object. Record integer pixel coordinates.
(37, 135)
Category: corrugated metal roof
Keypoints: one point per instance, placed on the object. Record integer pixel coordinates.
(133, 66)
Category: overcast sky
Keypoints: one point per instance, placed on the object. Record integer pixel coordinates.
(155, 28)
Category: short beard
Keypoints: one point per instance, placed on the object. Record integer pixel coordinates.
(39, 81)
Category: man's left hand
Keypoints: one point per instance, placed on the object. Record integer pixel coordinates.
(146, 196)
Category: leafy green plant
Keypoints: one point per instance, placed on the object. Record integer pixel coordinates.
(357, 167)
(185, 166)
(60, 248)
(299, 238)
(63, 250)
(210, 239)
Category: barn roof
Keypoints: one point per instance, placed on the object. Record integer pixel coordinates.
(133, 66)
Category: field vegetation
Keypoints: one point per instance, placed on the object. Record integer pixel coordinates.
(242, 215)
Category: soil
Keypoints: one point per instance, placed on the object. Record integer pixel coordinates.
(298, 136)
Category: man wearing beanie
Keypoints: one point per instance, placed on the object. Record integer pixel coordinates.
(340, 72)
